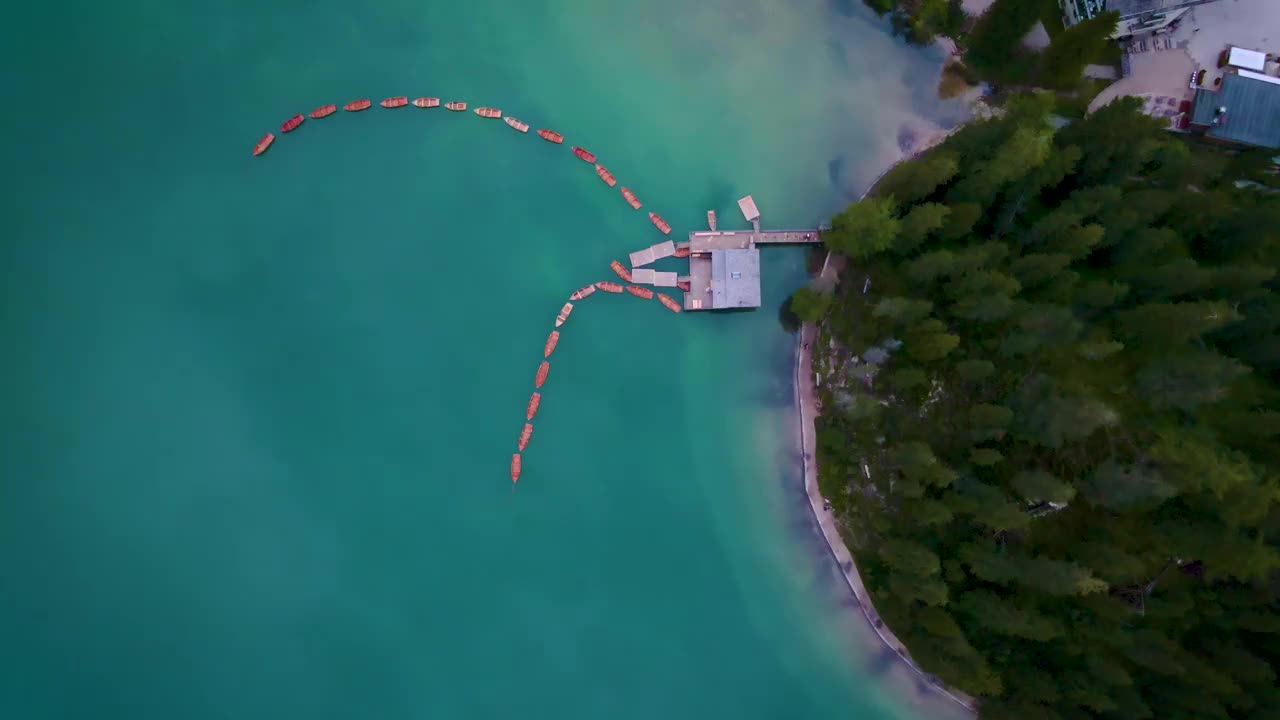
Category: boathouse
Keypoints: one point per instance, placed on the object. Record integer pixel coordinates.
(724, 265)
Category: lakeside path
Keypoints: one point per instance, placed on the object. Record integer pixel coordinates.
(806, 407)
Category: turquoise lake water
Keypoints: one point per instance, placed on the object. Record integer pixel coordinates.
(258, 412)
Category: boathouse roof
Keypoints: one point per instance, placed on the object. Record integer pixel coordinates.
(735, 279)
(749, 209)
(1252, 115)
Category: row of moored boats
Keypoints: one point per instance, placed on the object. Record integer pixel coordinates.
(400, 101)
(551, 136)
(544, 368)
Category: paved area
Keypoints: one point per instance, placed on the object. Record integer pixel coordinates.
(806, 407)
(1164, 73)
(1207, 29)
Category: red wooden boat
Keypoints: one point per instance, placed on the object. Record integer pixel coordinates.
(541, 377)
(684, 285)
(632, 200)
(525, 434)
(582, 292)
(292, 123)
(564, 314)
(640, 292)
(584, 154)
(263, 144)
(659, 223)
(606, 176)
(551, 136)
(515, 468)
(534, 401)
(456, 106)
(488, 112)
(395, 102)
(623, 273)
(682, 252)
(516, 124)
(426, 102)
(358, 105)
(323, 111)
(550, 345)
(669, 304)
(610, 287)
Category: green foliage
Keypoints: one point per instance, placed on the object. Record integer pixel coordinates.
(810, 305)
(1079, 45)
(863, 229)
(916, 179)
(995, 47)
(918, 223)
(1074, 505)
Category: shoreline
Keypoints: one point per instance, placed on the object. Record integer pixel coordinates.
(806, 408)
(806, 398)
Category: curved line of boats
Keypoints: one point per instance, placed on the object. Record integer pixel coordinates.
(544, 368)
(551, 136)
(400, 101)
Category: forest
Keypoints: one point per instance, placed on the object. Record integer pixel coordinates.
(1049, 415)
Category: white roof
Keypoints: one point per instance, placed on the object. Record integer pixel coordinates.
(1259, 76)
(749, 210)
(1248, 59)
(642, 276)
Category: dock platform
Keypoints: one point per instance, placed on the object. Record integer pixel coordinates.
(653, 253)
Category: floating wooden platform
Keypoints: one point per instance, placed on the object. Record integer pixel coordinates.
(653, 253)
(645, 276)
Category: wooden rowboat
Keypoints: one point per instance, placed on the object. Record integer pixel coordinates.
(642, 293)
(488, 112)
(263, 144)
(550, 345)
(292, 123)
(659, 223)
(582, 292)
(606, 176)
(564, 314)
(525, 434)
(516, 124)
(515, 468)
(395, 102)
(632, 200)
(426, 102)
(669, 304)
(584, 154)
(609, 287)
(543, 370)
(623, 273)
(551, 136)
(358, 105)
(456, 106)
(534, 401)
(323, 111)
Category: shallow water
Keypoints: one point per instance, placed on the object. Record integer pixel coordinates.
(259, 411)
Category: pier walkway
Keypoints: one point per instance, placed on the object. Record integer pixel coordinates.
(706, 241)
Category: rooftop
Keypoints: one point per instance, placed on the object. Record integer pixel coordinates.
(1127, 8)
(1252, 112)
(735, 279)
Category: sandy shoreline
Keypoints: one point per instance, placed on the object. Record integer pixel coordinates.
(806, 409)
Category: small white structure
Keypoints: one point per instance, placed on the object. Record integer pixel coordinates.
(653, 253)
(749, 209)
(646, 276)
(1259, 76)
(1247, 59)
